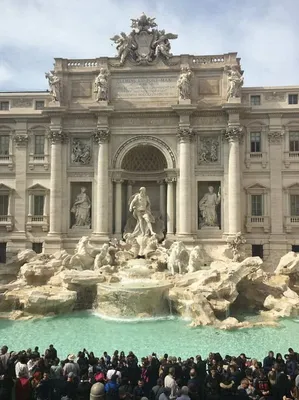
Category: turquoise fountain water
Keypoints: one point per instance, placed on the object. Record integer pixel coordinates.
(70, 333)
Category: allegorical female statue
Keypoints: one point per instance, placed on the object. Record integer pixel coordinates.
(184, 83)
(235, 81)
(141, 207)
(81, 209)
(207, 207)
(101, 85)
(54, 85)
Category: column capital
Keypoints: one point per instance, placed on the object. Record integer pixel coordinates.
(57, 135)
(275, 136)
(233, 133)
(185, 134)
(21, 139)
(101, 135)
(170, 179)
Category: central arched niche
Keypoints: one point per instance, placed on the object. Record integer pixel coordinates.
(144, 158)
(145, 165)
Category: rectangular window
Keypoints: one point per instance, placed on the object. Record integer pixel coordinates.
(257, 250)
(295, 248)
(39, 144)
(4, 105)
(256, 205)
(39, 105)
(3, 204)
(255, 100)
(37, 247)
(2, 253)
(255, 142)
(4, 145)
(294, 141)
(294, 205)
(38, 209)
(293, 98)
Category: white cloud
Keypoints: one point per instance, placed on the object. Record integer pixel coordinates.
(33, 32)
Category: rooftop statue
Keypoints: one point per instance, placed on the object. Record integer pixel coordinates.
(144, 43)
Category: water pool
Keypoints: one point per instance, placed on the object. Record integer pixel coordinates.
(70, 333)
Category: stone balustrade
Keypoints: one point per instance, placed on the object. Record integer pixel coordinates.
(262, 222)
(290, 223)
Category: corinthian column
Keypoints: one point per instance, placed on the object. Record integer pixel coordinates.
(185, 136)
(170, 206)
(57, 138)
(233, 134)
(102, 136)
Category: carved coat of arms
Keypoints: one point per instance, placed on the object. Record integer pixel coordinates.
(145, 43)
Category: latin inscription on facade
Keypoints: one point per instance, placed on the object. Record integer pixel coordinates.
(142, 87)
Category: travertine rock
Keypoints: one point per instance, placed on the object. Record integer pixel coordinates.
(288, 264)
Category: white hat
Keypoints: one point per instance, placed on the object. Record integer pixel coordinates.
(71, 357)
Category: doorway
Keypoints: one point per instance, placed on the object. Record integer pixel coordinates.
(257, 250)
(2, 253)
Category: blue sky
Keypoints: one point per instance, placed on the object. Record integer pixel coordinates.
(263, 32)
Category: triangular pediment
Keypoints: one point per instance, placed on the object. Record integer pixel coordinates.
(294, 186)
(5, 188)
(37, 187)
(256, 186)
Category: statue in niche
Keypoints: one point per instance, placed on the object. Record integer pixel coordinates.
(235, 80)
(54, 85)
(101, 85)
(80, 152)
(140, 206)
(184, 83)
(207, 206)
(81, 209)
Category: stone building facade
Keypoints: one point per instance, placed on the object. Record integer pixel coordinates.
(215, 157)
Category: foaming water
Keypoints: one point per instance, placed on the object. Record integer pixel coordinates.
(71, 333)
(132, 320)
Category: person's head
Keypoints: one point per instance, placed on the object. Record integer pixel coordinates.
(46, 376)
(291, 351)
(36, 349)
(271, 354)
(51, 347)
(243, 356)
(192, 373)
(159, 382)
(261, 374)
(279, 357)
(213, 372)
(56, 362)
(211, 189)
(172, 372)
(140, 383)
(244, 383)
(83, 189)
(185, 390)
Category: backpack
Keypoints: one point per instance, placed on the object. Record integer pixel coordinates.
(112, 392)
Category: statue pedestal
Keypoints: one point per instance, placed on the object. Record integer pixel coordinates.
(185, 101)
(234, 100)
(54, 104)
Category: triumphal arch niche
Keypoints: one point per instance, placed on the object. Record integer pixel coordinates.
(146, 118)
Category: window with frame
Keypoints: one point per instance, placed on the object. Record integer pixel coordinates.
(255, 100)
(39, 104)
(39, 145)
(38, 205)
(4, 105)
(293, 98)
(256, 205)
(4, 204)
(37, 247)
(294, 141)
(255, 142)
(294, 199)
(4, 145)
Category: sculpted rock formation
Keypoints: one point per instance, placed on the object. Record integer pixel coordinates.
(169, 277)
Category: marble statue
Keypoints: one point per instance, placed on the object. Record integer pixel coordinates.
(81, 209)
(184, 83)
(207, 206)
(101, 85)
(140, 206)
(124, 45)
(54, 85)
(144, 43)
(235, 80)
(235, 243)
(80, 152)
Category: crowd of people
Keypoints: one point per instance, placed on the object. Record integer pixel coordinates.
(28, 375)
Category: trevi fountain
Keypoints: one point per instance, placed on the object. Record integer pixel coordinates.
(146, 278)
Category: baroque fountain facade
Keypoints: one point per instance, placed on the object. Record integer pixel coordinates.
(144, 192)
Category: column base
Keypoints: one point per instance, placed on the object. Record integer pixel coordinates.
(99, 238)
(53, 243)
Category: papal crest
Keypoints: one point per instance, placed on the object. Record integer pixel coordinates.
(145, 43)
